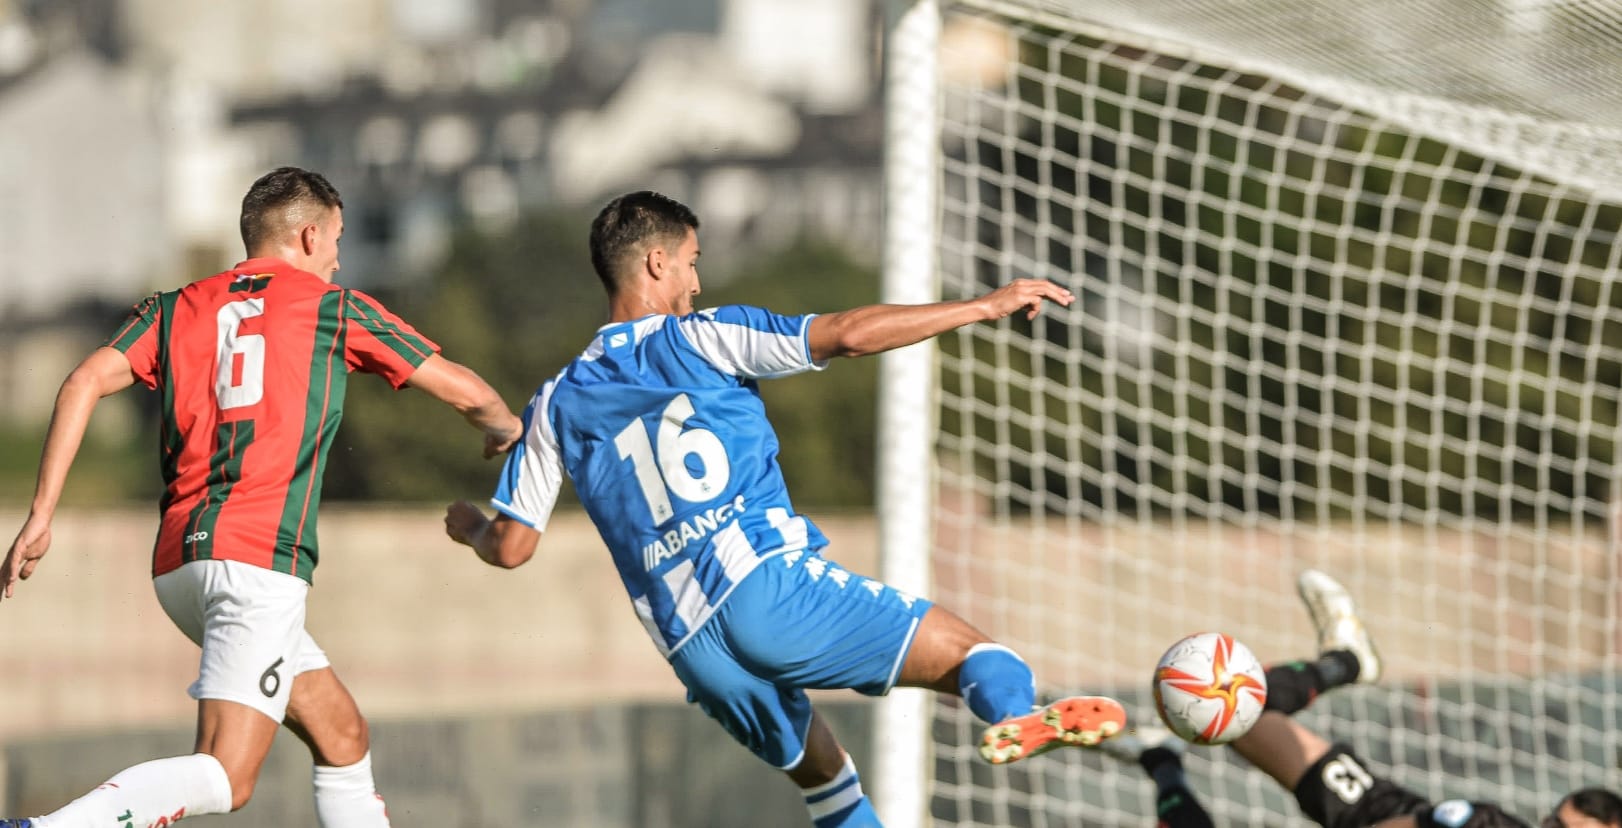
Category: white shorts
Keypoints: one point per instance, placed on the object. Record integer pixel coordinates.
(250, 623)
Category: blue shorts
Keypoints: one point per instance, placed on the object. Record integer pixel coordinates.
(798, 621)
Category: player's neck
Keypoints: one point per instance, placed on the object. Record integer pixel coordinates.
(635, 304)
(289, 256)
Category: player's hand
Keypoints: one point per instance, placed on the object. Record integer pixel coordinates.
(31, 545)
(497, 442)
(1026, 295)
(465, 523)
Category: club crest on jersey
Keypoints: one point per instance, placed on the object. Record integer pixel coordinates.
(1452, 813)
(694, 529)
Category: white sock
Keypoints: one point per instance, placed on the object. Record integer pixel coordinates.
(180, 786)
(840, 802)
(347, 797)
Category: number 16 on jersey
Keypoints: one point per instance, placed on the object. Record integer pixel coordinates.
(666, 473)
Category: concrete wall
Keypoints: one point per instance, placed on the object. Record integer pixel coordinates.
(608, 766)
(414, 624)
(533, 696)
(417, 626)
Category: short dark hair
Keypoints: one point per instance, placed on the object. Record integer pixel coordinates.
(1594, 803)
(625, 226)
(269, 197)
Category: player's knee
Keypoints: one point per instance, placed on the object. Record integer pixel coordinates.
(242, 782)
(241, 774)
(347, 743)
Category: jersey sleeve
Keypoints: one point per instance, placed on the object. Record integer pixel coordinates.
(533, 475)
(378, 342)
(137, 339)
(752, 343)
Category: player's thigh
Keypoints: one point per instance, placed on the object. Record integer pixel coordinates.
(800, 620)
(324, 715)
(249, 622)
(771, 721)
(1337, 791)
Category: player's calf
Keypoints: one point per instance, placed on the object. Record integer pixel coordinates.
(346, 797)
(1160, 753)
(161, 791)
(840, 803)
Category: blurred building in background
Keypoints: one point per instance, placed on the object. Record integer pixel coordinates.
(129, 130)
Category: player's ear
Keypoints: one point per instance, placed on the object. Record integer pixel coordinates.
(657, 261)
(307, 238)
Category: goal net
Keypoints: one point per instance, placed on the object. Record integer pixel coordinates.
(1346, 300)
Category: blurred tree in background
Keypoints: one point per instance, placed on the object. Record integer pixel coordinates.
(511, 307)
(516, 307)
(1325, 312)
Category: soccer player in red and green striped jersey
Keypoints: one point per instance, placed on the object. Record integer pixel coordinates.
(252, 365)
(249, 493)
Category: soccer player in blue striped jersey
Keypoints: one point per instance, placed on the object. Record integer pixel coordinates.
(660, 425)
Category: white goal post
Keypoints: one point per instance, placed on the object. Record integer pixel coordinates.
(1347, 299)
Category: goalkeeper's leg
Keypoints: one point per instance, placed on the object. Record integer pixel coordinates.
(1160, 753)
(1329, 782)
(1346, 653)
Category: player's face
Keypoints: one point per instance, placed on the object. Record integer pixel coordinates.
(684, 273)
(1567, 816)
(324, 255)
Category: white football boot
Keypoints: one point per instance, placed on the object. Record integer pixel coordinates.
(1335, 615)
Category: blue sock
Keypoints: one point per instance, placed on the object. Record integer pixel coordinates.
(841, 803)
(996, 683)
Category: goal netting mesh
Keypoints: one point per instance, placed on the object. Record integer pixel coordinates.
(1345, 300)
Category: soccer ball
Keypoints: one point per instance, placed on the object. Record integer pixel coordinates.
(1209, 688)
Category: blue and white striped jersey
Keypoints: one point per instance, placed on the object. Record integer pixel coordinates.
(660, 425)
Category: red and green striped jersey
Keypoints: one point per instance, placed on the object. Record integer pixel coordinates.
(252, 364)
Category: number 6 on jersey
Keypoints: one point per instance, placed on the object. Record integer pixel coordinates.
(240, 379)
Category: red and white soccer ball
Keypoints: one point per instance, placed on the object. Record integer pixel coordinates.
(1209, 688)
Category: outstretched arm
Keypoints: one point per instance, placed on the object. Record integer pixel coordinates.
(502, 542)
(873, 329)
(106, 371)
(459, 387)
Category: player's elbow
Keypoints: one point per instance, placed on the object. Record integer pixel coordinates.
(511, 556)
(80, 381)
(852, 344)
(470, 395)
(847, 341)
(511, 544)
